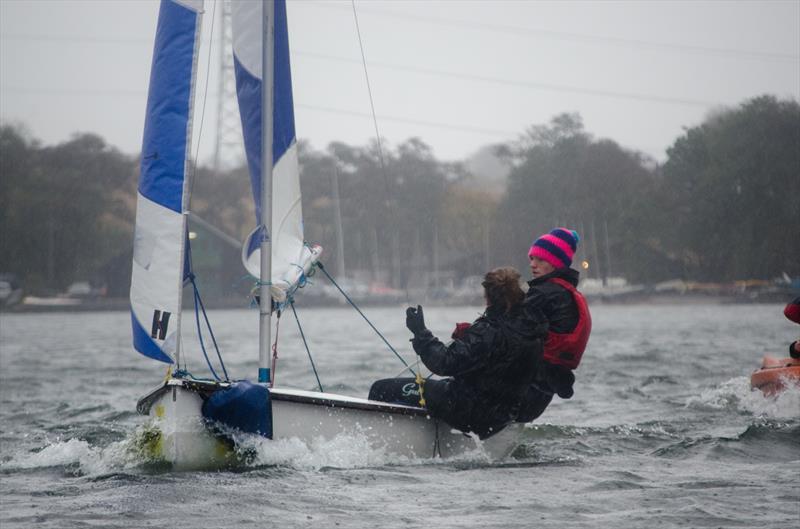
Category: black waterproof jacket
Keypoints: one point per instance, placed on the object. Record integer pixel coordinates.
(491, 368)
(555, 305)
(554, 300)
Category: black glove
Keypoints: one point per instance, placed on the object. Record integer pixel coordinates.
(415, 320)
(561, 380)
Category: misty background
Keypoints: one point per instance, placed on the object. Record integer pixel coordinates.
(667, 134)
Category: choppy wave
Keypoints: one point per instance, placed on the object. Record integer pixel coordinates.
(78, 457)
(342, 451)
(659, 437)
(736, 395)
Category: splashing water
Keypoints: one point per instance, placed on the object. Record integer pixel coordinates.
(736, 395)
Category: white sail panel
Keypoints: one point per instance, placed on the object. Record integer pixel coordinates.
(291, 257)
(157, 273)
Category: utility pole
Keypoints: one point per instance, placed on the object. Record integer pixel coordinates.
(603, 273)
(608, 248)
(436, 254)
(229, 130)
(337, 213)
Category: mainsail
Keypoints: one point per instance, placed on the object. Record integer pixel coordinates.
(160, 260)
(291, 257)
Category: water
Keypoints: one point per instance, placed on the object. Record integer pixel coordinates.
(663, 431)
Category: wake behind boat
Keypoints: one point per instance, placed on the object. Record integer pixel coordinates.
(192, 419)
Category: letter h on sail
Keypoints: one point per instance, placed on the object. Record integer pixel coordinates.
(160, 323)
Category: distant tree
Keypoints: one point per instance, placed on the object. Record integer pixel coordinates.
(732, 185)
(561, 176)
(465, 238)
(61, 207)
(390, 205)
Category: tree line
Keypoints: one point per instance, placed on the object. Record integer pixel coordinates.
(724, 206)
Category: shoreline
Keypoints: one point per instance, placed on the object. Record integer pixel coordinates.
(54, 305)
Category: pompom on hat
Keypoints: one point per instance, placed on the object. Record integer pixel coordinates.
(557, 247)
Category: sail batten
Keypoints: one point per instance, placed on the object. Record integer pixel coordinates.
(160, 248)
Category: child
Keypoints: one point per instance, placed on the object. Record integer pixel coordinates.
(552, 293)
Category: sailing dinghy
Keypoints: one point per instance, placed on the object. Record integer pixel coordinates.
(192, 419)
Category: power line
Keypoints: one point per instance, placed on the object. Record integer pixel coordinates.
(82, 39)
(395, 119)
(331, 110)
(552, 87)
(578, 37)
(505, 29)
(74, 38)
(524, 84)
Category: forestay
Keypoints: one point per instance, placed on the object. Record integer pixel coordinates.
(291, 257)
(160, 263)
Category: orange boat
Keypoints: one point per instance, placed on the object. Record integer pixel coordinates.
(774, 373)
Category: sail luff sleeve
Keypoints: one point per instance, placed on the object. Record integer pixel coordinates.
(160, 238)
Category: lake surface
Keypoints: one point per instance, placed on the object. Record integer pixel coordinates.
(663, 430)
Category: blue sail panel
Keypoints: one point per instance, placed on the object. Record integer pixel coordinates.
(247, 68)
(169, 106)
(160, 255)
(248, 91)
(283, 133)
(143, 343)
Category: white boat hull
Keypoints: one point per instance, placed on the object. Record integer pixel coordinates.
(181, 437)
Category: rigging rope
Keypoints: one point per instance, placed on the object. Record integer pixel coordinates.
(321, 267)
(421, 385)
(369, 91)
(205, 98)
(198, 302)
(305, 343)
(275, 348)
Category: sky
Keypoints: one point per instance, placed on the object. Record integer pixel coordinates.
(457, 74)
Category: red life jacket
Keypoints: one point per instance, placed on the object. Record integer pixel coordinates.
(566, 349)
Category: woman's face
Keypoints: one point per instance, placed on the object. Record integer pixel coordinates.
(540, 267)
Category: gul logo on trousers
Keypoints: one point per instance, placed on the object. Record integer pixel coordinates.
(410, 389)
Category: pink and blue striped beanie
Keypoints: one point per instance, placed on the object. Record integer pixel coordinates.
(557, 247)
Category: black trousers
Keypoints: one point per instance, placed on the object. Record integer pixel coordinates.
(404, 390)
(533, 404)
(444, 401)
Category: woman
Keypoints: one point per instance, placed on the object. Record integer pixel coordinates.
(489, 366)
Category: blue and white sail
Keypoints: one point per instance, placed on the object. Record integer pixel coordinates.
(160, 261)
(291, 257)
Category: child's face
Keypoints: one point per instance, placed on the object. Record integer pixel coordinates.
(540, 267)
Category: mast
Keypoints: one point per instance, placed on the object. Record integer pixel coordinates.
(268, 77)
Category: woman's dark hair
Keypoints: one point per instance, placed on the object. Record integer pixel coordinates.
(502, 289)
